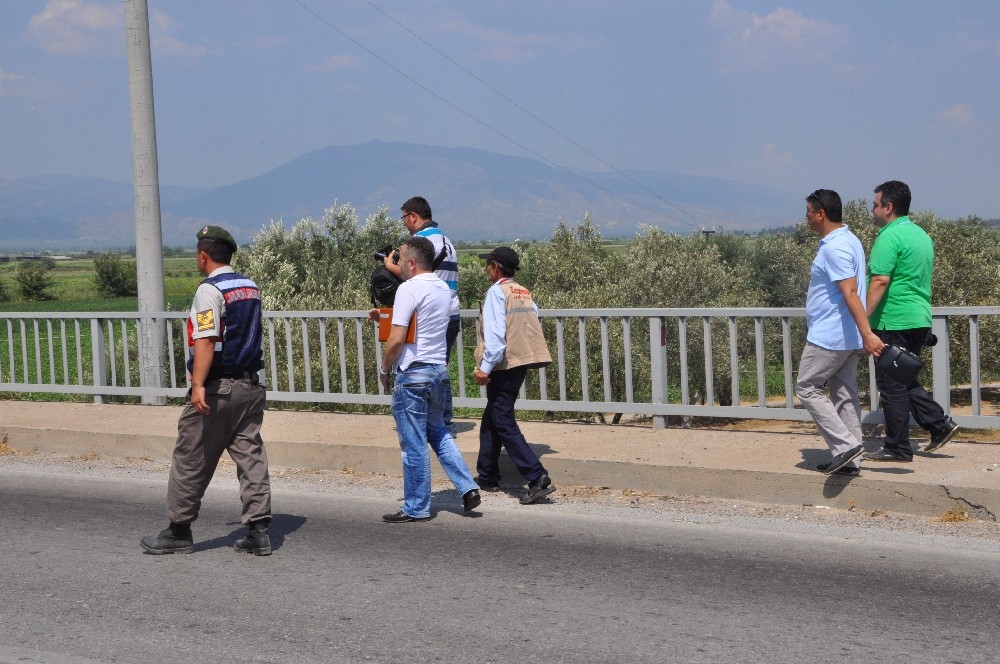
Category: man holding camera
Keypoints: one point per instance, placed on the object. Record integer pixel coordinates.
(899, 309)
(422, 383)
(417, 220)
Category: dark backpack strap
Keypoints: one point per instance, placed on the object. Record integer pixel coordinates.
(441, 255)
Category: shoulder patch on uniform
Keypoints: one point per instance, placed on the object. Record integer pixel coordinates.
(206, 320)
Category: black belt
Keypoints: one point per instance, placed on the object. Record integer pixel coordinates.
(243, 375)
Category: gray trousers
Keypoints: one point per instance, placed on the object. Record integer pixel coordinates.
(838, 416)
(233, 425)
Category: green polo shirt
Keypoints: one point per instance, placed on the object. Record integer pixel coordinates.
(905, 253)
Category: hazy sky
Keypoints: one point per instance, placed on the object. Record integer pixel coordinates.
(794, 95)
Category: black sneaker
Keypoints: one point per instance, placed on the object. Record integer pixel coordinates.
(401, 517)
(488, 485)
(256, 540)
(471, 500)
(939, 440)
(842, 459)
(538, 489)
(885, 455)
(174, 539)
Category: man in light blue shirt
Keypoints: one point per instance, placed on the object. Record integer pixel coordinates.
(838, 330)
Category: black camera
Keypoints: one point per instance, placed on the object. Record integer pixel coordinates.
(380, 255)
(931, 339)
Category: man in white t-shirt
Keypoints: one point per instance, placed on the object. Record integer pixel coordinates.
(422, 383)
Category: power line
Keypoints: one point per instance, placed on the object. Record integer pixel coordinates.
(477, 120)
(523, 109)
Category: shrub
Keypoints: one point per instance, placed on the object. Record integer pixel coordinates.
(114, 276)
(34, 280)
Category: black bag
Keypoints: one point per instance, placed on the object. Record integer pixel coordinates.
(384, 283)
(383, 287)
(898, 364)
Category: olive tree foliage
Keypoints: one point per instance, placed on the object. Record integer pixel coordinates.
(115, 276)
(320, 266)
(967, 273)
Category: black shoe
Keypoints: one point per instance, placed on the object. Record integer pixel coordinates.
(471, 500)
(842, 459)
(256, 541)
(488, 485)
(941, 439)
(852, 471)
(538, 489)
(175, 539)
(401, 517)
(885, 455)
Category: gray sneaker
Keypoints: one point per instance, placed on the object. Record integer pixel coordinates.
(256, 540)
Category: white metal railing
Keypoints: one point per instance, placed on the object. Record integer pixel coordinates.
(654, 362)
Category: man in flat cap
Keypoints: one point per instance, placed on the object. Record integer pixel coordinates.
(226, 406)
(510, 343)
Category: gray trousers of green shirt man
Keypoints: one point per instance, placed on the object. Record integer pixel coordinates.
(837, 416)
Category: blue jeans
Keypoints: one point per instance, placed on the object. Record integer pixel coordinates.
(417, 405)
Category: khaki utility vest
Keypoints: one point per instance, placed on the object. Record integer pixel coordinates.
(525, 341)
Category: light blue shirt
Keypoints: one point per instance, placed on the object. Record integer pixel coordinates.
(831, 325)
(494, 326)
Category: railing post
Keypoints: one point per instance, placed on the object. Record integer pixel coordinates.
(658, 366)
(941, 363)
(97, 355)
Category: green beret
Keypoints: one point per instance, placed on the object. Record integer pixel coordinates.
(217, 233)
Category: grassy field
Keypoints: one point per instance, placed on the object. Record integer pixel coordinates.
(73, 287)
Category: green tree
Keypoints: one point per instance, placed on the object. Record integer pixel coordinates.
(33, 279)
(114, 276)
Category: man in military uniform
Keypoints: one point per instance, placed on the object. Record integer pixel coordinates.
(226, 406)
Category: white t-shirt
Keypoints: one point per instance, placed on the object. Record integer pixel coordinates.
(430, 298)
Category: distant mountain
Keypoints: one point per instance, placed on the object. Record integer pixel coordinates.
(476, 195)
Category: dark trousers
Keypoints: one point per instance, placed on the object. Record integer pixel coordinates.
(498, 429)
(899, 400)
(450, 335)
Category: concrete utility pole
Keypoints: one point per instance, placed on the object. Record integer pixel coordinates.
(146, 183)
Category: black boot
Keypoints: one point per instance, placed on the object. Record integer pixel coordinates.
(175, 539)
(256, 541)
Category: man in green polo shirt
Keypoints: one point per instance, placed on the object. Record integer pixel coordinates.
(899, 310)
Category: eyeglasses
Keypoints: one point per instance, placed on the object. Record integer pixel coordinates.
(404, 216)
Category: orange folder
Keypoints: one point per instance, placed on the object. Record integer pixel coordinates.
(385, 324)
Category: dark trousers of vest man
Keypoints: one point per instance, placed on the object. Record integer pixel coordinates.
(233, 425)
(498, 429)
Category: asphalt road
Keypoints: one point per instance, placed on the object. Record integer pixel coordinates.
(547, 583)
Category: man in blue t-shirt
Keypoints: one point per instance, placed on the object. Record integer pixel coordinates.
(838, 330)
